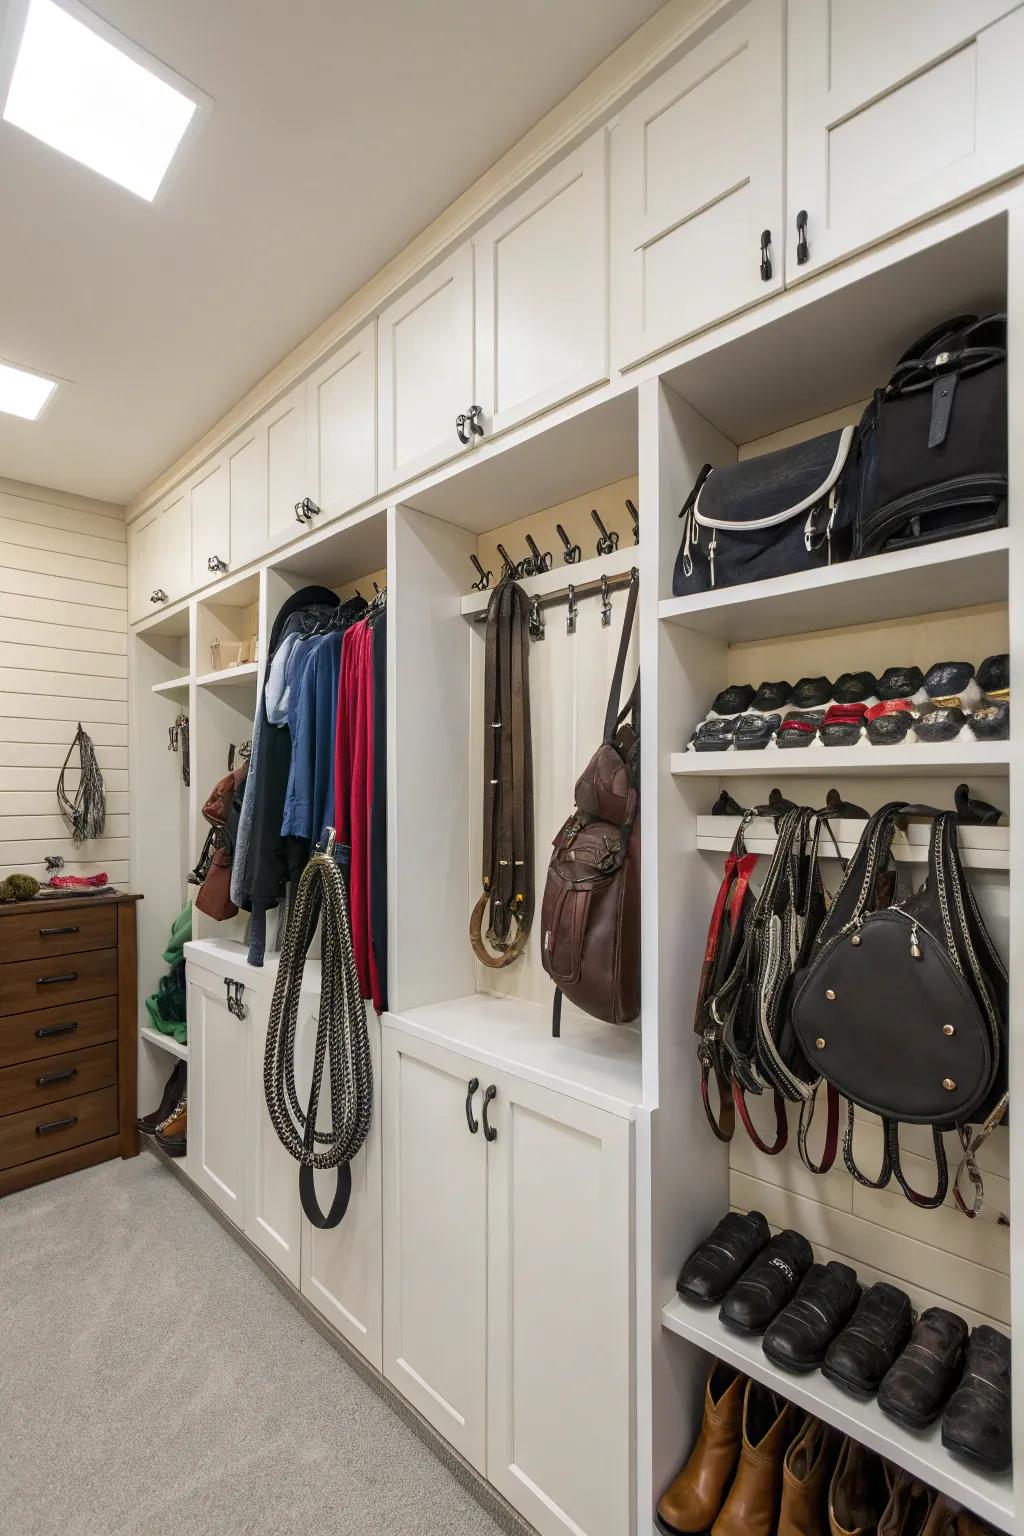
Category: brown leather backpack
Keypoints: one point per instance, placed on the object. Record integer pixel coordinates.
(214, 867)
(590, 914)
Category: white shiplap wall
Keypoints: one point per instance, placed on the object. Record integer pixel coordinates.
(63, 658)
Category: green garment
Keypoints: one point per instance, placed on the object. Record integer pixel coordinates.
(166, 1006)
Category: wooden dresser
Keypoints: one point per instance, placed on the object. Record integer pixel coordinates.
(69, 1020)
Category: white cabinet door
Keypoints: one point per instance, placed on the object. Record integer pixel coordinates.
(435, 1240)
(341, 1268)
(696, 178)
(341, 423)
(542, 291)
(173, 557)
(143, 566)
(272, 1210)
(895, 111)
(559, 1394)
(285, 427)
(211, 521)
(425, 357)
(247, 488)
(217, 1094)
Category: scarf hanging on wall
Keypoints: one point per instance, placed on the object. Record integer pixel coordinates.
(85, 816)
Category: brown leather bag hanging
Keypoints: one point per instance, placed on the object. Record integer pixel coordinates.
(507, 874)
(214, 866)
(590, 913)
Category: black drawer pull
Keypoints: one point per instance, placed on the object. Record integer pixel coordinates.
(54, 933)
(56, 1077)
(56, 1125)
(48, 981)
(47, 1030)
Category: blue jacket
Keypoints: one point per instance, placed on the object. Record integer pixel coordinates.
(309, 801)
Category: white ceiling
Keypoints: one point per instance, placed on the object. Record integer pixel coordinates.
(339, 129)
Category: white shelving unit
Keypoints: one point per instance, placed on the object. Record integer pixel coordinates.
(918, 760)
(164, 1042)
(920, 1453)
(980, 847)
(175, 687)
(243, 676)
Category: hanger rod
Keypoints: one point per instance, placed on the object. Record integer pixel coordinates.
(580, 589)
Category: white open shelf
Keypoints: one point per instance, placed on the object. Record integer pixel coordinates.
(231, 677)
(980, 847)
(173, 686)
(921, 1453)
(598, 1063)
(164, 1042)
(957, 574)
(928, 759)
(619, 563)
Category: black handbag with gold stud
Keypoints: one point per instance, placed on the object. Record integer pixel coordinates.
(902, 1006)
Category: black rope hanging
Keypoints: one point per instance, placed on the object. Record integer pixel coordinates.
(86, 815)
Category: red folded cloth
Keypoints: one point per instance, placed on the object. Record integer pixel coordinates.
(77, 882)
(837, 713)
(889, 707)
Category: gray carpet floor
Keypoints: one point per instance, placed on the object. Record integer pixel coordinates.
(154, 1380)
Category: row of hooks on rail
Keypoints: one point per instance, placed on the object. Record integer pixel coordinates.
(537, 560)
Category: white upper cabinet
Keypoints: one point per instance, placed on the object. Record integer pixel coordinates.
(895, 111)
(247, 489)
(542, 292)
(697, 178)
(211, 521)
(285, 428)
(341, 425)
(425, 342)
(143, 561)
(160, 561)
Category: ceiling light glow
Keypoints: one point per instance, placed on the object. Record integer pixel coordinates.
(23, 394)
(83, 95)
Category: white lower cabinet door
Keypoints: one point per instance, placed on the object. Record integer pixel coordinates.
(542, 291)
(341, 424)
(559, 1436)
(435, 1238)
(216, 1094)
(697, 187)
(895, 111)
(272, 1219)
(341, 1267)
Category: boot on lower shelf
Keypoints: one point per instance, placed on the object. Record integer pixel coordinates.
(806, 1475)
(859, 1492)
(694, 1498)
(173, 1089)
(172, 1135)
(909, 1506)
(751, 1507)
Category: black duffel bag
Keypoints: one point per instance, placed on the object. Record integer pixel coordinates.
(932, 443)
(783, 512)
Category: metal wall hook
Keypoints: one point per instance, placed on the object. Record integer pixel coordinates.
(572, 553)
(608, 542)
(540, 562)
(631, 508)
(570, 618)
(536, 623)
(606, 602)
(509, 570)
(485, 576)
(234, 991)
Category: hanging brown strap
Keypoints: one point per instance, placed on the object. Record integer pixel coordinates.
(507, 873)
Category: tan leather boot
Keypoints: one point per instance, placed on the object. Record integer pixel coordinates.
(806, 1475)
(751, 1507)
(692, 1501)
(948, 1519)
(859, 1492)
(909, 1506)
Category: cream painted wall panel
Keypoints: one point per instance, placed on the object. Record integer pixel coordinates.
(63, 620)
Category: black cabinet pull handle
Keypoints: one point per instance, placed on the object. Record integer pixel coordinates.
(54, 933)
(47, 1030)
(802, 249)
(56, 1077)
(766, 261)
(56, 1125)
(461, 422)
(473, 421)
(48, 981)
(490, 1134)
(471, 1120)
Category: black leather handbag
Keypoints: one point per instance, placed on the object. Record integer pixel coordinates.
(780, 513)
(903, 1006)
(932, 459)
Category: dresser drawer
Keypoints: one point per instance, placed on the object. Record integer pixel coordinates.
(36, 1133)
(49, 1031)
(36, 1083)
(30, 935)
(28, 984)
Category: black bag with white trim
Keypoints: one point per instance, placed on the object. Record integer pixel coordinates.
(781, 513)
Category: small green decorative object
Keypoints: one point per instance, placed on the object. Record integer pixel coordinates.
(18, 888)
